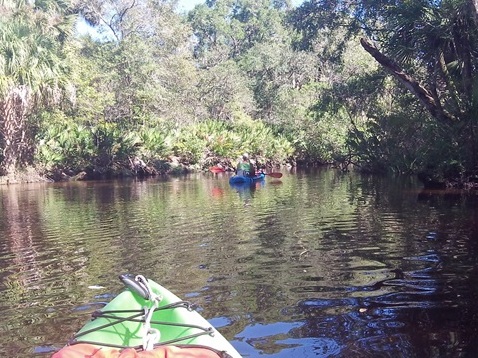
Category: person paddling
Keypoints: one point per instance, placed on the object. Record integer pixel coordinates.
(245, 167)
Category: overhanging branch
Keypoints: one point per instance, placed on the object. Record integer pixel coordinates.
(418, 90)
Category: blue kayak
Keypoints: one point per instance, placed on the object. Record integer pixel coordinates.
(240, 179)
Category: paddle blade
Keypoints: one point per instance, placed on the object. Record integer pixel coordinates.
(216, 170)
(274, 175)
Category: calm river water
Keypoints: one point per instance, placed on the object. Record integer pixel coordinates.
(317, 264)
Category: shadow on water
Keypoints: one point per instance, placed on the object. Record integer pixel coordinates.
(409, 320)
(422, 308)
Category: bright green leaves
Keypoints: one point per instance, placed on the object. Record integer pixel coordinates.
(64, 143)
(212, 140)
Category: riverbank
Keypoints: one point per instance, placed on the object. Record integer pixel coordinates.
(27, 175)
(173, 166)
(133, 167)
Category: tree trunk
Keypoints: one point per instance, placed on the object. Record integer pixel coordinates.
(13, 129)
(422, 93)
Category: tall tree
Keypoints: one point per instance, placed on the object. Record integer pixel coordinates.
(226, 29)
(255, 36)
(145, 53)
(32, 72)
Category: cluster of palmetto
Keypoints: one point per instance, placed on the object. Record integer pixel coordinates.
(69, 145)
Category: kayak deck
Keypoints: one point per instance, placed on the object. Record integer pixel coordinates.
(127, 319)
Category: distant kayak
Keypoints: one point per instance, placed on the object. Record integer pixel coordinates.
(147, 320)
(240, 179)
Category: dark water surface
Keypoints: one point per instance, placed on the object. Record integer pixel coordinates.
(317, 264)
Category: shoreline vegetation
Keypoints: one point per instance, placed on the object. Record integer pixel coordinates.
(379, 87)
(173, 166)
(133, 168)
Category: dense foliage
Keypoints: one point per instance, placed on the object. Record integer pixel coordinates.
(422, 118)
(378, 84)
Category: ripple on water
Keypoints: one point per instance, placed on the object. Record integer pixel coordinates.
(335, 267)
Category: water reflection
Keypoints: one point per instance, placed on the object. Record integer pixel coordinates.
(325, 264)
(246, 191)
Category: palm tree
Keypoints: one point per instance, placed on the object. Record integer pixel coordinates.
(32, 72)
